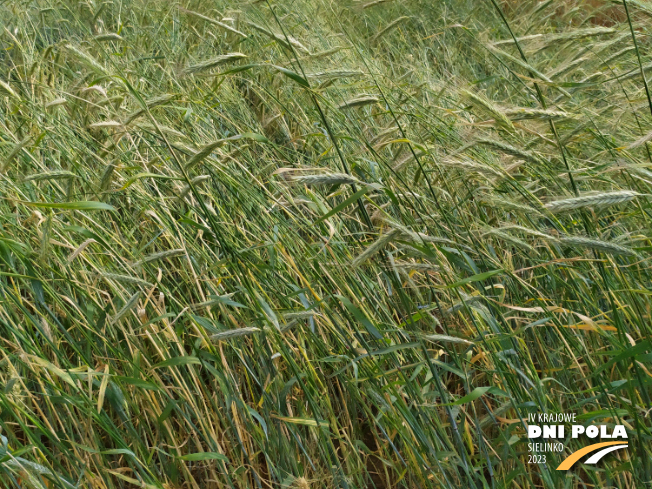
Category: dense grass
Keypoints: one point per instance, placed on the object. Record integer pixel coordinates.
(304, 267)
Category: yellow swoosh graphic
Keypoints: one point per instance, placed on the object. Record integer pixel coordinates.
(575, 456)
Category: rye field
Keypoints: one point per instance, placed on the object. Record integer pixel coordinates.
(305, 244)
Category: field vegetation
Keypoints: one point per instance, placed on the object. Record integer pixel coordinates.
(318, 244)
